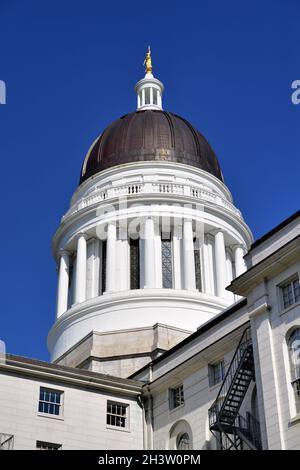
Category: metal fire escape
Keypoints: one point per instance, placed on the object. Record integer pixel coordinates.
(233, 431)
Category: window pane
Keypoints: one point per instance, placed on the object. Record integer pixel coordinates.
(197, 269)
(49, 401)
(147, 96)
(117, 414)
(103, 274)
(296, 386)
(166, 256)
(176, 396)
(217, 373)
(296, 286)
(184, 442)
(287, 295)
(134, 264)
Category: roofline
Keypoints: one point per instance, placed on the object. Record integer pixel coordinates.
(69, 375)
(276, 229)
(203, 329)
(251, 272)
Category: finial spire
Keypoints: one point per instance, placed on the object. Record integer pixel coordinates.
(149, 90)
(148, 62)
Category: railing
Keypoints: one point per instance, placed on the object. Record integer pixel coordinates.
(240, 352)
(109, 192)
(249, 428)
(6, 441)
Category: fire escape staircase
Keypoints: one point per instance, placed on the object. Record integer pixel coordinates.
(233, 431)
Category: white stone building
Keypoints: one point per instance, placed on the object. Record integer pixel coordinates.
(173, 329)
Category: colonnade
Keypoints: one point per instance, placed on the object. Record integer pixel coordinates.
(219, 264)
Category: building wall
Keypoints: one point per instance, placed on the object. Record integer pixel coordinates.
(83, 425)
(270, 329)
(199, 395)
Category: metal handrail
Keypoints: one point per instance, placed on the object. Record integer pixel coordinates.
(250, 428)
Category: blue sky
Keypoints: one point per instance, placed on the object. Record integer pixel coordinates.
(70, 69)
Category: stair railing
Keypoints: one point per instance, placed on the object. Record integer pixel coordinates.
(241, 349)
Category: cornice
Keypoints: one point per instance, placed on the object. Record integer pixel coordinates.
(59, 374)
(266, 268)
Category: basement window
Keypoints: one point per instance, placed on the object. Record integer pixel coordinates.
(41, 445)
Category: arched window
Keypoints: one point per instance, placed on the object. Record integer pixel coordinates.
(294, 356)
(184, 442)
(181, 436)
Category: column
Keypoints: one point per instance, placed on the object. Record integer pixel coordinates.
(123, 264)
(149, 254)
(189, 281)
(229, 272)
(240, 266)
(158, 260)
(177, 237)
(80, 276)
(111, 246)
(138, 100)
(159, 99)
(143, 97)
(93, 268)
(63, 283)
(207, 266)
(220, 260)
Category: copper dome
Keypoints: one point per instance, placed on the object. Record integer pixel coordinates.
(150, 135)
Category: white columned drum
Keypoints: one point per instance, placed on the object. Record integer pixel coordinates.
(63, 283)
(80, 275)
(220, 260)
(188, 256)
(111, 248)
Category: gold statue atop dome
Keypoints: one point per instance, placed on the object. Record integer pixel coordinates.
(148, 61)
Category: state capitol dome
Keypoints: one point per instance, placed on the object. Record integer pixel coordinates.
(150, 135)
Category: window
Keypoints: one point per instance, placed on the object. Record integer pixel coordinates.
(147, 96)
(103, 264)
(290, 292)
(117, 414)
(216, 373)
(50, 401)
(294, 355)
(47, 446)
(134, 264)
(176, 396)
(197, 269)
(183, 442)
(166, 257)
(6, 441)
